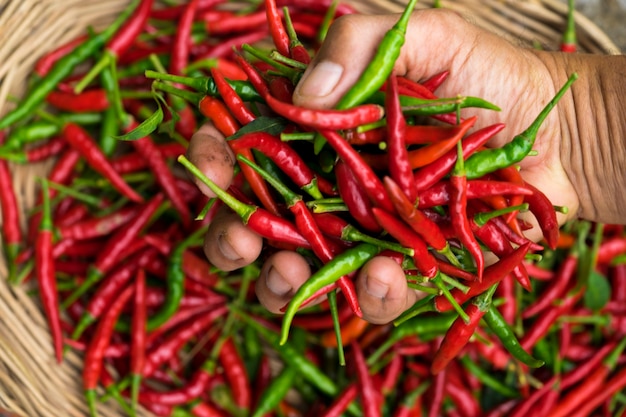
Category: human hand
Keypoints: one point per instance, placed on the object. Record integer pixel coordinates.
(481, 64)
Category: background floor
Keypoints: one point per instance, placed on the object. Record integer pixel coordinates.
(609, 15)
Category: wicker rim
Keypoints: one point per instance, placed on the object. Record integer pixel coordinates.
(33, 384)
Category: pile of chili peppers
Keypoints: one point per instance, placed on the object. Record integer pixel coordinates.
(392, 171)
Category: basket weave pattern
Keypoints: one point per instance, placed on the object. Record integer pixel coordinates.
(31, 383)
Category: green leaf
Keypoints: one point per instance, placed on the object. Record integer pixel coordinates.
(272, 125)
(145, 128)
(598, 291)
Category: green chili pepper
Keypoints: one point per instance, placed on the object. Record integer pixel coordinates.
(343, 264)
(294, 359)
(503, 331)
(417, 325)
(490, 160)
(32, 132)
(207, 86)
(175, 281)
(415, 106)
(380, 67)
(112, 115)
(62, 69)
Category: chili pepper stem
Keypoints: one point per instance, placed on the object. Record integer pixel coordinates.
(244, 210)
(92, 398)
(438, 281)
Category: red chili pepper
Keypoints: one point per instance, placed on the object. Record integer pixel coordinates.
(111, 287)
(392, 375)
(232, 100)
(297, 50)
(374, 136)
(204, 409)
(618, 284)
(46, 275)
(437, 394)
(342, 401)
(526, 405)
(492, 275)
(354, 197)
(493, 238)
(370, 397)
(79, 139)
(429, 154)
(465, 401)
(593, 385)
(115, 248)
(94, 100)
(400, 168)
(424, 260)
(94, 227)
(460, 332)
(236, 374)
(11, 230)
(254, 76)
(162, 173)
(228, 23)
(46, 62)
(434, 82)
(178, 338)
(458, 214)
(422, 225)
(543, 210)
(365, 176)
(610, 248)
(281, 88)
(427, 134)
(542, 325)
(138, 337)
(60, 173)
(174, 12)
(557, 287)
(225, 49)
(326, 119)
(506, 291)
(214, 109)
(94, 356)
(439, 194)
(286, 158)
(192, 390)
(133, 162)
(582, 371)
(417, 89)
(277, 28)
(120, 42)
(429, 175)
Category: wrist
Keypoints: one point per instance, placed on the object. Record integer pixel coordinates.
(592, 144)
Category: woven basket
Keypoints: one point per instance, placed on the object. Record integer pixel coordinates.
(31, 383)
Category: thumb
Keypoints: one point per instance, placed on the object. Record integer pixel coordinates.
(352, 42)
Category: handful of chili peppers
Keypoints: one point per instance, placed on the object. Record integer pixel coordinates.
(392, 171)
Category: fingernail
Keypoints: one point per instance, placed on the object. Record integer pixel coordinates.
(276, 283)
(227, 250)
(321, 80)
(376, 288)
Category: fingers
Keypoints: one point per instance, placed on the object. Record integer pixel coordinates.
(209, 152)
(382, 290)
(352, 42)
(282, 274)
(229, 244)
(381, 286)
